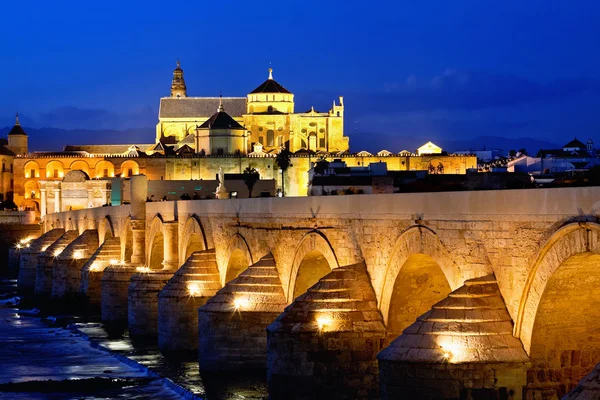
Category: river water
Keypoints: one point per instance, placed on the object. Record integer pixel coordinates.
(59, 354)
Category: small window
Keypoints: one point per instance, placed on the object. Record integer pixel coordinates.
(270, 109)
(32, 173)
(338, 113)
(56, 173)
(261, 140)
(280, 141)
(322, 142)
(105, 173)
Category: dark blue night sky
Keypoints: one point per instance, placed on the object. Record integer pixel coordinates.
(432, 69)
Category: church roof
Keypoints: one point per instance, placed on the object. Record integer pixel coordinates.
(221, 120)
(199, 107)
(5, 151)
(17, 130)
(270, 86)
(575, 143)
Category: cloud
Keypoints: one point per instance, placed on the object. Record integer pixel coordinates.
(458, 91)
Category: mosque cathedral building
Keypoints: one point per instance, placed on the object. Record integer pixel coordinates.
(195, 137)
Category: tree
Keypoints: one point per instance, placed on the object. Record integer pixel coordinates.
(283, 161)
(523, 151)
(250, 177)
(512, 153)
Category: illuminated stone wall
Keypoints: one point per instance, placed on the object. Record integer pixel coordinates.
(523, 237)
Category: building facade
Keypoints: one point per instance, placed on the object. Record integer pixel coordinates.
(197, 136)
(267, 114)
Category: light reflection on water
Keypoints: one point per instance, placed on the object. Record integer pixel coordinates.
(219, 386)
(184, 372)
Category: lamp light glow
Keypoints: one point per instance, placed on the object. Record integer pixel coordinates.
(240, 303)
(193, 288)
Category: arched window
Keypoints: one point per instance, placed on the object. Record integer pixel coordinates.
(270, 138)
(55, 169)
(270, 109)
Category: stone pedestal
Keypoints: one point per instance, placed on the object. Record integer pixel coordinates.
(92, 271)
(29, 258)
(232, 324)
(66, 269)
(46, 260)
(192, 285)
(143, 301)
(462, 348)
(222, 195)
(324, 344)
(114, 286)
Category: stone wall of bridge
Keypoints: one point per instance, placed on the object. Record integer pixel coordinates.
(418, 249)
(467, 234)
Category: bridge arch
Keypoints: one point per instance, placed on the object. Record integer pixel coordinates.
(156, 244)
(193, 239)
(569, 241)
(126, 239)
(559, 314)
(239, 258)
(313, 259)
(420, 272)
(105, 229)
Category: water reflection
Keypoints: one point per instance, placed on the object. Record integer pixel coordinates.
(181, 370)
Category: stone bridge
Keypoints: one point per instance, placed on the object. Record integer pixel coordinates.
(427, 295)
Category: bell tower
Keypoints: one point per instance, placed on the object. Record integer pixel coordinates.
(17, 139)
(178, 88)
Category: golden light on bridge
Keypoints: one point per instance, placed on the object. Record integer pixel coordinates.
(144, 270)
(451, 352)
(324, 323)
(193, 288)
(95, 267)
(44, 248)
(241, 303)
(57, 252)
(78, 254)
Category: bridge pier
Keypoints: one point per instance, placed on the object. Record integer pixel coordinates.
(192, 285)
(66, 269)
(143, 301)
(326, 341)
(29, 258)
(46, 260)
(91, 273)
(114, 288)
(145, 286)
(232, 324)
(461, 348)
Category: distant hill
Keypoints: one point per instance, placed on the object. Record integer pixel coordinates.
(375, 142)
(54, 139)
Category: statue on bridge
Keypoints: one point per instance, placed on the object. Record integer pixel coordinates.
(221, 192)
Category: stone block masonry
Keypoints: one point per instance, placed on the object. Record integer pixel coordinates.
(326, 341)
(232, 324)
(114, 287)
(143, 301)
(66, 268)
(194, 283)
(29, 258)
(46, 260)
